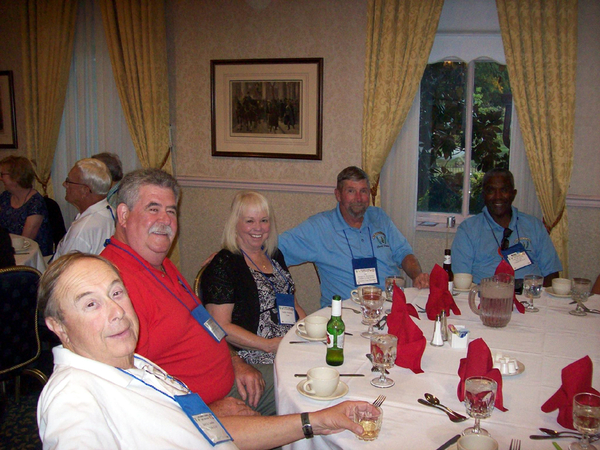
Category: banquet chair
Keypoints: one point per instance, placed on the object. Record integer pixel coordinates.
(57, 223)
(19, 326)
(197, 281)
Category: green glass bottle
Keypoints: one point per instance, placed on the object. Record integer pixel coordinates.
(335, 334)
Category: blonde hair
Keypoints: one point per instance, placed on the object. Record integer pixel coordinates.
(242, 201)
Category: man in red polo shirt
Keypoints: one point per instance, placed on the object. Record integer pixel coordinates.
(176, 332)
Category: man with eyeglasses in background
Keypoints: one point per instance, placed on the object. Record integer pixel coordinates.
(86, 187)
(501, 231)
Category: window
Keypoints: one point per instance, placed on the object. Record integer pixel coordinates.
(464, 131)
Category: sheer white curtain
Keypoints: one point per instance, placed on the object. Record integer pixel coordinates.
(93, 119)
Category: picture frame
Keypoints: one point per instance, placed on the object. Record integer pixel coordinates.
(267, 108)
(8, 119)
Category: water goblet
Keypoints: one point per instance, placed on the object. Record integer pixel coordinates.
(480, 395)
(580, 291)
(586, 419)
(371, 304)
(389, 285)
(383, 349)
(532, 288)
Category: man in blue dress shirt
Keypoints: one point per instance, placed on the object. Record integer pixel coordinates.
(501, 231)
(353, 244)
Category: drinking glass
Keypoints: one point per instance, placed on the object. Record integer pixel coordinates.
(480, 395)
(532, 288)
(383, 349)
(580, 291)
(586, 419)
(371, 423)
(371, 304)
(389, 286)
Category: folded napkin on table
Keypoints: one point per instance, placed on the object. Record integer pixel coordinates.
(576, 378)
(440, 298)
(505, 267)
(479, 363)
(411, 342)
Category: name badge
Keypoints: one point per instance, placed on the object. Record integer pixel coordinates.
(208, 323)
(365, 271)
(203, 418)
(286, 309)
(517, 256)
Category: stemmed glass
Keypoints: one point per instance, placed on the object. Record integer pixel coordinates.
(480, 395)
(580, 292)
(586, 419)
(371, 304)
(383, 349)
(532, 288)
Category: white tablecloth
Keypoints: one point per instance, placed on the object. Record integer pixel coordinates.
(31, 256)
(544, 342)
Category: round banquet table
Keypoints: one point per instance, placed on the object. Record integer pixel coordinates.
(543, 342)
(30, 256)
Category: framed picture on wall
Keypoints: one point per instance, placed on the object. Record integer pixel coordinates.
(8, 120)
(267, 108)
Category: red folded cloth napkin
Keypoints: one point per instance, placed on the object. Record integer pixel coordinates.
(440, 298)
(479, 363)
(505, 267)
(576, 378)
(411, 342)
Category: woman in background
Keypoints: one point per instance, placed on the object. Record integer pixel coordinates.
(22, 209)
(247, 287)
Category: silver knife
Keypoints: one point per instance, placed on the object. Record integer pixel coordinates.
(448, 443)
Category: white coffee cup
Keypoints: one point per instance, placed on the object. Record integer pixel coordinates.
(477, 442)
(18, 243)
(561, 286)
(322, 381)
(463, 280)
(314, 326)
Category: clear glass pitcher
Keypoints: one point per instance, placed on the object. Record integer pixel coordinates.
(496, 300)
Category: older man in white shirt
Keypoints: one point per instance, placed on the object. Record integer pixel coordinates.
(86, 187)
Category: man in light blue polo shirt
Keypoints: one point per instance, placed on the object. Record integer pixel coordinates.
(502, 231)
(353, 244)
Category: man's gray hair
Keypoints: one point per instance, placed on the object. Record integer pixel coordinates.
(113, 162)
(129, 189)
(499, 171)
(95, 175)
(352, 173)
(47, 299)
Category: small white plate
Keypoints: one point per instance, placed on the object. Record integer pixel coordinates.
(464, 290)
(341, 390)
(307, 337)
(25, 248)
(550, 291)
(520, 369)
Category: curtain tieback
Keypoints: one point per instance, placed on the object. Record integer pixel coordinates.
(558, 219)
(374, 190)
(164, 161)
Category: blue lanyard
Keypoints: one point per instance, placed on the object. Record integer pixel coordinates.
(264, 275)
(370, 240)
(109, 242)
(494, 234)
(166, 376)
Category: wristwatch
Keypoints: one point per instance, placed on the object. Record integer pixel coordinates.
(306, 426)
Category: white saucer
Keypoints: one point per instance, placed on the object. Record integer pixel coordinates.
(520, 369)
(25, 248)
(464, 290)
(307, 337)
(340, 391)
(550, 291)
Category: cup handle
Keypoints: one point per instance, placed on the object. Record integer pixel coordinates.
(301, 327)
(308, 388)
(472, 294)
(354, 294)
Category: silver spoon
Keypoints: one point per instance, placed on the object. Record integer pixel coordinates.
(435, 401)
(558, 433)
(454, 418)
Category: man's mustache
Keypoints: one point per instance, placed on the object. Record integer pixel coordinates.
(161, 229)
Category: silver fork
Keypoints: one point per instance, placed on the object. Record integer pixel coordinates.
(515, 444)
(355, 311)
(379, 400)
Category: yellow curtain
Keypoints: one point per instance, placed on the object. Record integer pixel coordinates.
(137, 43)
(400, 35)
(540, 43)
(48, 31)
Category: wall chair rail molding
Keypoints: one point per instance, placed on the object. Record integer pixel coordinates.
(269, 186)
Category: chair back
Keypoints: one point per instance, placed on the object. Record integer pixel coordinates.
(55, 218)
(18, 317)
(197, 282)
